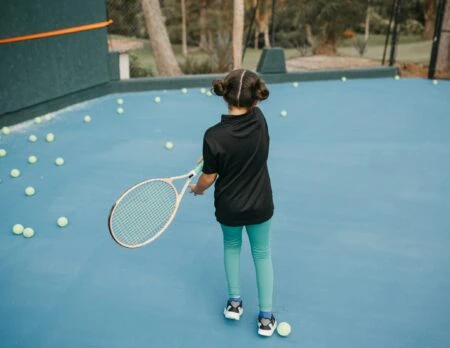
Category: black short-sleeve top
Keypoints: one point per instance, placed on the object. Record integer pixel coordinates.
(237, 149)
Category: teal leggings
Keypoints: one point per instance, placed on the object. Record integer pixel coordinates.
(259, 236)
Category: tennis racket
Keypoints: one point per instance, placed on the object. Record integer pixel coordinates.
(144, 211)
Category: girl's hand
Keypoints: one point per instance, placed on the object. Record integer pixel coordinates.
(194, 190)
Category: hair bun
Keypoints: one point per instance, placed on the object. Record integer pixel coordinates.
(261, 92)
(219, 87)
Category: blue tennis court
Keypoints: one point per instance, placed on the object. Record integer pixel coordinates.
(361, 180)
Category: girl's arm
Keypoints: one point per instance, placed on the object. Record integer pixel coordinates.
(204, 181)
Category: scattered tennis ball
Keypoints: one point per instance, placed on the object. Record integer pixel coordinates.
(59, 161)
(37, 120)
(3, 153)
(120, 110)
(120, 101)
(17, 229)
(435, 82)
(87, 119)
(169, 145)
(30, 191)
(5, 130)
(32, 138)
(209, 94)
(295, 84)
(202, 90)
(343, 79)
(397, 77)
(28, 232)
(184, 90)
(284, 329)
(157, 100)
(283, 113)
(32, 159)
(15, 173)
(62, 221)
(50, 137)
(48, 117)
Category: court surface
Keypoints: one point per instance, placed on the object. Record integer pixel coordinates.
(361, 179)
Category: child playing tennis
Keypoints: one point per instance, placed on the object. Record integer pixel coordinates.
(235, 152)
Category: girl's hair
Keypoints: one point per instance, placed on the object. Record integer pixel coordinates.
(241, 88)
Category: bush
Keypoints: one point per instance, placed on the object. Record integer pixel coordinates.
(194, 65)
(136, 70)
(412, 27)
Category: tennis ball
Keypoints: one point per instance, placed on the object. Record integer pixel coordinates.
(30, 191)
(37, 120)
(397, 77)
(120, 110)
(6, 130)
(435, 82)
(28, 232)
(62, 221)
(169, 145)
(50, 137)
(15, 173)
(184, 90)
(295, 84)
(59, 161)
(3, 153)
(283, 113)
(32, 159)
(120, 101)
(32, 138)
(157, 100)
(48, 117)
(343, 79)
(209, 94)
(284, 329)
(17, 229)
(202, 90)
(87, 119)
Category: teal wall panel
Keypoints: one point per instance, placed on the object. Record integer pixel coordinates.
(35, 71)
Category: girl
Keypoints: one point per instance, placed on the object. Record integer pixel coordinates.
(235, 152)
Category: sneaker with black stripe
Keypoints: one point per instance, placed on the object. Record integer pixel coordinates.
(233, 310)
(266, 327)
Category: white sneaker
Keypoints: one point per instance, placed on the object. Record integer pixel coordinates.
(233, 310)
(266, 327)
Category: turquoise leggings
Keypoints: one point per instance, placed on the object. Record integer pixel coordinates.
(259, 236)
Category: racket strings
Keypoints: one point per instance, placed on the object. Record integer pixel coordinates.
(143, 212)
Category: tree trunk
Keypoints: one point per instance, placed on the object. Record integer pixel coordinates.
(309, 35)
(183, 29)
(203, 39)
(327, 46)
(443, 59)
(430, 17)
(165, 60)
(367, 24)
(238, 32)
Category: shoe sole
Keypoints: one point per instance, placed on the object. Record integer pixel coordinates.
(267, 333)
(232, 315)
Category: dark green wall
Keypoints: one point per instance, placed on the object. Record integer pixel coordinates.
(36, 71)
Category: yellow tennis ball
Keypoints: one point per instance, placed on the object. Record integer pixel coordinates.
(18, 229)
(37, 120)
(3, 153)
(50, 137)
(120, 110)
(5, 130)
(62, 221)
(30, 191)
(32, 138)
(15, 173)
(32, 159)
(283, 113)
(157, 100)
(87, 119)
(28, 232)
(59, 161)
(169, 145)
(120, 101)
(184, 90)
(284, 329)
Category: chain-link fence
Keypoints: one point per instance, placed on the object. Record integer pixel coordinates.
(315, 34)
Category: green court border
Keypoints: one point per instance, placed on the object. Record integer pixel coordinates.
(149, 84)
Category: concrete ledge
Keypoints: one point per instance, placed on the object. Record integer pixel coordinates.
(160, 83)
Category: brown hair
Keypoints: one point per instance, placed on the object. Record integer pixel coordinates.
(241, 88)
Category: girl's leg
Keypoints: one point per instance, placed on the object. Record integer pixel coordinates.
(259, 236)
(232, 242)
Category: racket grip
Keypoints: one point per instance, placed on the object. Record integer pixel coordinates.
(197, 170)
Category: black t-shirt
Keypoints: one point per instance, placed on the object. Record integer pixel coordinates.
(237, 149)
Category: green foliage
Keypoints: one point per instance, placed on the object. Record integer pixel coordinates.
(412, 27)
(127, 18)
(194, 65)
(136, 70)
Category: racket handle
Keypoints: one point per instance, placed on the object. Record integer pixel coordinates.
(196, 170)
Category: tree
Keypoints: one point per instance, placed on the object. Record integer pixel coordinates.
(262, 18)
(238, 32)
(430, 17)
(202, 20)
(183, 28)
(165, 60)
(443, 59)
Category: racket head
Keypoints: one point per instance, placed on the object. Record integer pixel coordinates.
(143, 212)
